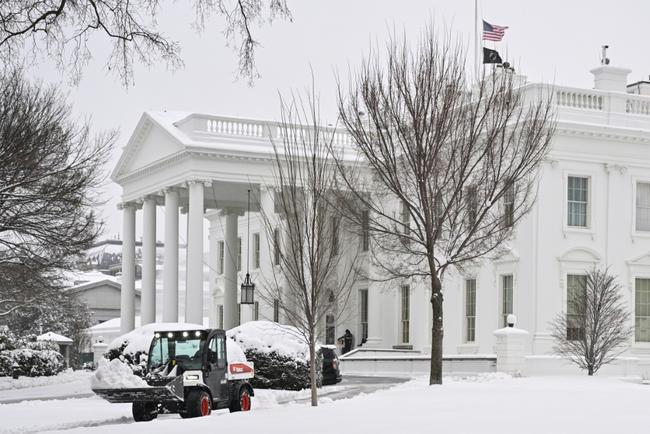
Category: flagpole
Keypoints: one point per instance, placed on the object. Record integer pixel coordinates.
(476, 39)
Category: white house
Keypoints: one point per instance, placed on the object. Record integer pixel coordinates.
(593, 207)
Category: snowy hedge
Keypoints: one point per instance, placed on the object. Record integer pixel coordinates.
(279, 352)
(33, 358)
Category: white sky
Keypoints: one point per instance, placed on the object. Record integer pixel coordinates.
(548, 40)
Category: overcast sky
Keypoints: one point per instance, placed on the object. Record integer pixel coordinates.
(551, 40)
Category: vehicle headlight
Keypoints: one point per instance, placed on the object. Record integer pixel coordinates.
(192, 377)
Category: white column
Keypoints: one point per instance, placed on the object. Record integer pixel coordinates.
(194, 288)
(127, 298)
(375, 317)
(170, 269)
(148, 298)
(230, 318)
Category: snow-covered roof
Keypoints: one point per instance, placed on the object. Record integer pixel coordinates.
(54, 337)
(78, 277)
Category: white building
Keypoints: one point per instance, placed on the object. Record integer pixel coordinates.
(593, 208)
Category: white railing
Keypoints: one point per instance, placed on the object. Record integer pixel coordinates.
(580, 99)
(637, 106)
(246, 128)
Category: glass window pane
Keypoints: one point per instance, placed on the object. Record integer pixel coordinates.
(643, 206)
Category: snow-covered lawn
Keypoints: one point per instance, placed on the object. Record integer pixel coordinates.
(65, 384)
(489, 403)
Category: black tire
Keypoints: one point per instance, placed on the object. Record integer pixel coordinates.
(242, 401)
(144, 411)
(198, 404)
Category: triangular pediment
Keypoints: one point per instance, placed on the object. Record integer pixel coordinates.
(505, 255)
(150, 142)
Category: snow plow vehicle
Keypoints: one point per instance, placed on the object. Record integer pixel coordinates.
(188, 372)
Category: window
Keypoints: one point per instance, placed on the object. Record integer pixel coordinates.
(256, 250)
(509, 206)
(239, 254)
(276, 246)
(256, 311)
(405, 309)
(506, 298)
(575, 288)
(365, 231)
(470, 310)
(276, 310)
(363, 315)
(335, 236)
(221, 253)
(220, 310)
(471, 204)
(217, 351)
(278, 206)
(642, 310)
(643, 206)
(405, 218)
(330, 329)
(577, 201)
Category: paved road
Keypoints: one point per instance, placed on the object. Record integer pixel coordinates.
(353, 385)
(350, 386)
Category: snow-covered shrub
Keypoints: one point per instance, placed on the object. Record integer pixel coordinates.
(31, 363)
(31, 357)
(279, 352)
(8, 340)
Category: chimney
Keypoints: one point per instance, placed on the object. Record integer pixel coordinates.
(610, 78)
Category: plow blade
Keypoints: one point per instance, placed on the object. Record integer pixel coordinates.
(171, 392)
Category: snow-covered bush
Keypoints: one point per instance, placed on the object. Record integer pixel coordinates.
(31, 363)
(32, 358)
(279, 352)
(8, 340)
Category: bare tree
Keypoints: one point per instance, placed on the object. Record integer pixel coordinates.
(593, 330)
(48, 180)
(62, 29)
(446, 168)
(314, 264)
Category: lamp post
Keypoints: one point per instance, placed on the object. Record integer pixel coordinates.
(248, 287)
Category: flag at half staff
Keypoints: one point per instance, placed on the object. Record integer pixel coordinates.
(493, 32)
(491, 56)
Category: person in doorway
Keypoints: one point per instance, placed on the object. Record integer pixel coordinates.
(347, 341)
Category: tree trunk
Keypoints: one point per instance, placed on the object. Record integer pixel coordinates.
(312, 372)
(590, 370)
(437, 332)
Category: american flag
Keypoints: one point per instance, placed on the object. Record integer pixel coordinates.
(492, 32)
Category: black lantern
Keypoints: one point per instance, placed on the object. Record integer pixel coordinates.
(248, 287)
(247, 290)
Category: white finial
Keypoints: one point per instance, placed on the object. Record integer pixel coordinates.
(511, 319)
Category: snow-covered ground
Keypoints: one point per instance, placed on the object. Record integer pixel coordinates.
(67, 383)
(490, 403)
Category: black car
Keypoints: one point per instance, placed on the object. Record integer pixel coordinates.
(331, 371)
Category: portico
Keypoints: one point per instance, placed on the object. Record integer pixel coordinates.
(197, 165)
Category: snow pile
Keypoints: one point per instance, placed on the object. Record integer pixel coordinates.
(271, 337)
(234, 351)
(115, 374)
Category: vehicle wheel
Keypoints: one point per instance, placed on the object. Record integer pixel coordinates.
(244, 401)
(198, 404)
(144, 411)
